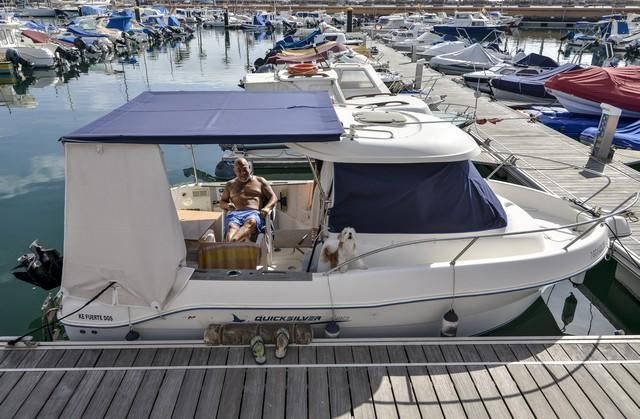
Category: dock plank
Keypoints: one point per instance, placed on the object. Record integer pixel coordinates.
(611, 378)
(101, 399)
(487, 389)
(319, 405)
(425, 393)
(358, 382)
(129, 385)
(444, 387)
(525, 382)
(67, 385)
(587, 384)
(171, 383)
(47, 384)
(462, 381)
(339, 396)
(21, 390)
(506, 385)
(253, 397)
(296, 406)
(383, 398)
(275, 386)
(231, 398)
(148, 390)
(556, 398)
(191, 386)
(209, 400)
(10, 379)
(87, 387)
(401, 383)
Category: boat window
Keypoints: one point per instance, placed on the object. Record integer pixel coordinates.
(507, 71)
(528, 72)
(355, 79)
(419, 198)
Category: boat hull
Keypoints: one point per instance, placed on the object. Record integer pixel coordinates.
(583, 106)
(501, 94)
(477, 315)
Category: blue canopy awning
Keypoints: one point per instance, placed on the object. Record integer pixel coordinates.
(216, 117)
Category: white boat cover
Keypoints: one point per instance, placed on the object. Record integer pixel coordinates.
(121, 225)
(474, 55)
(446, 47)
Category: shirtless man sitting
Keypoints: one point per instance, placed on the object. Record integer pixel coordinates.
(243, 199)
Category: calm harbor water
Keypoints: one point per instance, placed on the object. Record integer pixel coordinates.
(32, 169)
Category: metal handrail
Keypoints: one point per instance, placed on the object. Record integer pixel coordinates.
(474, 238)
(510, 161)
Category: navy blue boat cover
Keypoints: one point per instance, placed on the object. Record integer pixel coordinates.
(625, 137)
(216, 117)
(536, 60)
(530, 85)
(419, 198)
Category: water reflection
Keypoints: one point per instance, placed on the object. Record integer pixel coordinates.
(44, 169)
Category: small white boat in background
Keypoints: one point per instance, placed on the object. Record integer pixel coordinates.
(473, 58)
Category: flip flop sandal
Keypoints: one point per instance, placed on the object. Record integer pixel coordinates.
(258, 350)
(282, 342)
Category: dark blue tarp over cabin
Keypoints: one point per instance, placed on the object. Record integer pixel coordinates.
(530, 85)
(420, 198)
(624, 137)
(537, 60)
(216, 117)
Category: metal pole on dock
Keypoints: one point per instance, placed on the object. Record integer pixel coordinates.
(226, 18)
(419, 69)
(350, 19)
(414, 53)
(606, 129)
(136, 10)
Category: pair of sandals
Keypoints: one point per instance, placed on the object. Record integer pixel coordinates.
(259, 351)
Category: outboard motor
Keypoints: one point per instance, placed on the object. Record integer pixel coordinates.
(42, 268)
(266, 68)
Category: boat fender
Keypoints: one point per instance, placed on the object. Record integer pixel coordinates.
(132, 335)
(332, 330)
(618, 226)
(449, 324)
(568, 310)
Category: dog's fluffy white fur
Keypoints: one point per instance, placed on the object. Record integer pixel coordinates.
(337, 250)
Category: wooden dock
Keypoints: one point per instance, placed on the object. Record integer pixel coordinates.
(516, 133)
(569, 377)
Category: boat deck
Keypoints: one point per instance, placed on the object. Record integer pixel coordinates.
(465, 377)
(532, 142)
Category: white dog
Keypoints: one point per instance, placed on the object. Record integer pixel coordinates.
(336, 251)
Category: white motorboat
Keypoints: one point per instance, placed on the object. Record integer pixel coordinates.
(433, 234)
(353, 84)
(472, 58)
(427, 52)
(424, 40)
(530, 65)
(24, 52)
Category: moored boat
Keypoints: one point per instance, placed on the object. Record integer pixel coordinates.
(440, 237)
(582, 91)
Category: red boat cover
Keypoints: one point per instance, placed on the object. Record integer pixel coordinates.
(619, 87)
(36, 37)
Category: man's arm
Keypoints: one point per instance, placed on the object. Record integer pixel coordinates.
(225, 200)
(269, 196)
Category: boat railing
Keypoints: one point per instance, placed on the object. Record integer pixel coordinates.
(622, 208)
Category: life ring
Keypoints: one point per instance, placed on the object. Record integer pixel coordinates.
(302, 69)
(377, 26)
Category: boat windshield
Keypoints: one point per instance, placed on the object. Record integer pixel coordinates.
(419, 198)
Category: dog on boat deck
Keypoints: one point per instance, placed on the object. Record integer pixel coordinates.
(335, 251)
